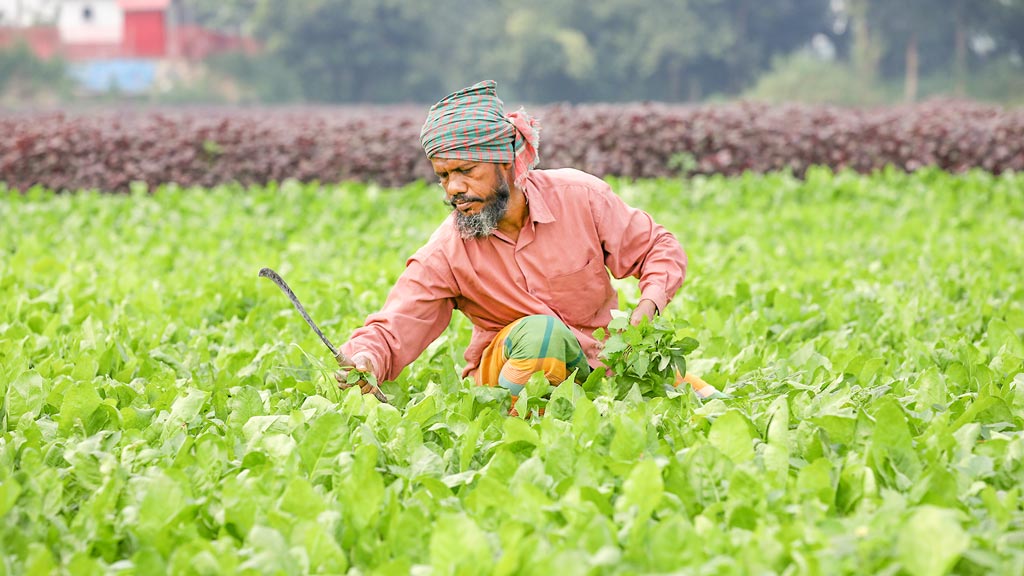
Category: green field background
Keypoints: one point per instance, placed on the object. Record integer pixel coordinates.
(167, 411)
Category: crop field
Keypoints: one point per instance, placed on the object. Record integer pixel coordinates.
(164, 410)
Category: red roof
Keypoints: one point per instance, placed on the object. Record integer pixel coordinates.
(137, 5)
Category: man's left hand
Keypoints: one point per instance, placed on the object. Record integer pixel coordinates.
(645, 309)
(361, 362)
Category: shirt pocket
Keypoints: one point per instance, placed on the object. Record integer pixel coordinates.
(578, 296)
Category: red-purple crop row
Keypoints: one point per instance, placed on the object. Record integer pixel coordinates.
(110, 150)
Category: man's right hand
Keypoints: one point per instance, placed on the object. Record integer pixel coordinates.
(360, 362)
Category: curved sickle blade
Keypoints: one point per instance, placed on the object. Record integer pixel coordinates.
(276, 279)
(340, 357)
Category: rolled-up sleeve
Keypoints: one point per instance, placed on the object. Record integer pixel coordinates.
(635, 245)
(417, 310)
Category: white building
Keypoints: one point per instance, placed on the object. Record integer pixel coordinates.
(78, 21)
(90, 22)
(24, 13)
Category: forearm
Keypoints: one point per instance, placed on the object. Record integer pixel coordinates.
(394, 339)
(418, 308)
(663, 271)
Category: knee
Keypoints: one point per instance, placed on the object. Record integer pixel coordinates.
(537, 332)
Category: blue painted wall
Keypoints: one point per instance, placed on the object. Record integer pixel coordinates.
(132, 76)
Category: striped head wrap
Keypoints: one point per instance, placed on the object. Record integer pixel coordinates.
(471, 124)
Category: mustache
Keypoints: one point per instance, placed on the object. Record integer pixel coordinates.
(462, 198)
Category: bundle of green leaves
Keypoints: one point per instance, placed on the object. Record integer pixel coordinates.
(646, 356)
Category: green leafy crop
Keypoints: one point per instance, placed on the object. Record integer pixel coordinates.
(164, 411)
(647, 355)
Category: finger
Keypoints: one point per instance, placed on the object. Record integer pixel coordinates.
(362, 362)
(341, 376)
(636, 318)
(645, 310)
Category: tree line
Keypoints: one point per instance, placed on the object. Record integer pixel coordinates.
(604, 50)
(394, 51)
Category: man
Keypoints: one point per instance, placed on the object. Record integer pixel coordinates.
(524, 255)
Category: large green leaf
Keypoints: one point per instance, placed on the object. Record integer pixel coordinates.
(79, 402)
(931, 541)
(459, 546)
(730, 433)
(322, 442)
(892, 451)
(25, 395)
(9, 492)
(302, 500)
(642, 490)
(780, 442)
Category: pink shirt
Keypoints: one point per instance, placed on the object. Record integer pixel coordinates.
(578, 230)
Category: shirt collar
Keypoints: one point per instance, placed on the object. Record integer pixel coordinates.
(539, 211)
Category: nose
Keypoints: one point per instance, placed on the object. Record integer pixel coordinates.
(456, 185)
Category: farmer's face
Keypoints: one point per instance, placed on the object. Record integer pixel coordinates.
(477, 192)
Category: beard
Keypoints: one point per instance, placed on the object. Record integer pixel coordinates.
(484, 222)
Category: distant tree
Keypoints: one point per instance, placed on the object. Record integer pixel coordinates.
(26, 78)
(917, 37)
(650, 48)
(1002, 20)
(541, 47)
(235, 16)
(685, 49)
(914, 30)
(347, 50)
(766, 30)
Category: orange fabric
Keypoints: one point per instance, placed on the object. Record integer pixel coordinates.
(494, 357)
(702, 388)
(519, 371)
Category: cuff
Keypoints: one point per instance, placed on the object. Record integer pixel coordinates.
(656, 295)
